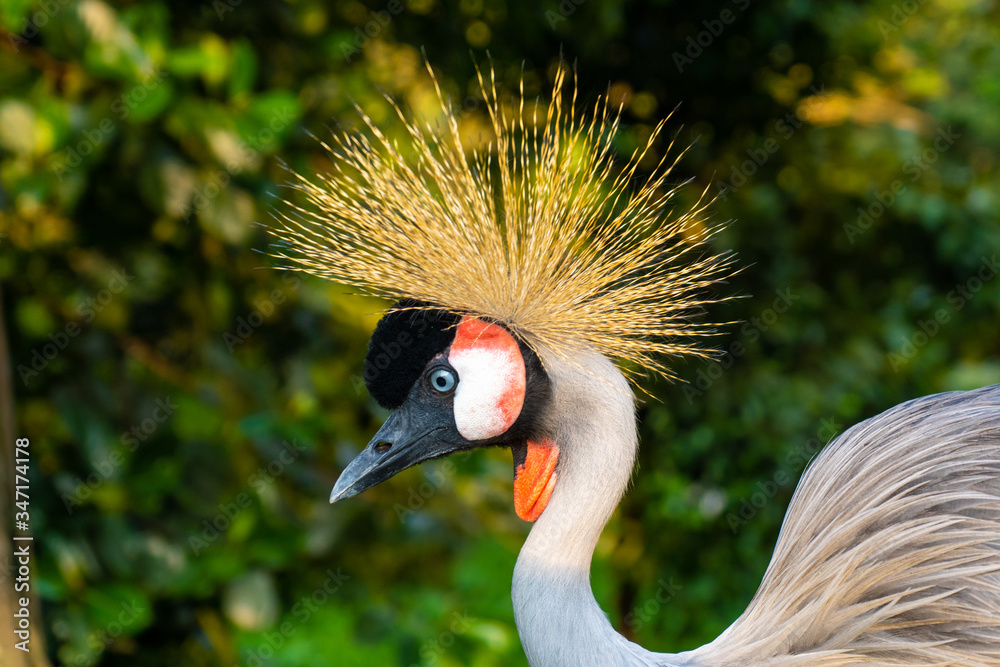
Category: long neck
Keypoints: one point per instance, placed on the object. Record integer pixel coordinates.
(558, 619)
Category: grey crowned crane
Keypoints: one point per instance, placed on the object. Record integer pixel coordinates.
(522, 274)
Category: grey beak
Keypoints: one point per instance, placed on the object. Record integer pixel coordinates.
(412, 434)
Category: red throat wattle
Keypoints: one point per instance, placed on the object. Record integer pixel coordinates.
(535, 479)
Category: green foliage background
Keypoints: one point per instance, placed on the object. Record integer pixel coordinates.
(146, 138)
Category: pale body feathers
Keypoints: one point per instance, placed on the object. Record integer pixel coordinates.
(890, 551)
(889, 554)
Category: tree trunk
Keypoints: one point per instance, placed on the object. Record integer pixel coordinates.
(10, 656)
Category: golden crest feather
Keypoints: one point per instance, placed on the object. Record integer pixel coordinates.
(542, 232)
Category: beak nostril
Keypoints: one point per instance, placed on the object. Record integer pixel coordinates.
(382, 447)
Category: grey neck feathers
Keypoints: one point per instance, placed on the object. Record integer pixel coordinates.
(932, 462)
(592, 419)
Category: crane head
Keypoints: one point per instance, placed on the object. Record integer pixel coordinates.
(453, 384)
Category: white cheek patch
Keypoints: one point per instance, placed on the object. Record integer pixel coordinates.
(491, 379)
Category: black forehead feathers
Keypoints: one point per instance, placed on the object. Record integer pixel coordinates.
(403, 342)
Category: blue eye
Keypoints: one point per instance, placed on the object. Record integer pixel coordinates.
(443, 380)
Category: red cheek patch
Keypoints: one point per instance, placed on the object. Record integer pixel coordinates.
(491, 379)
(535, 479)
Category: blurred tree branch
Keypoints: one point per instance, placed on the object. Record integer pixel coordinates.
(9, 656)
(34, 55)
